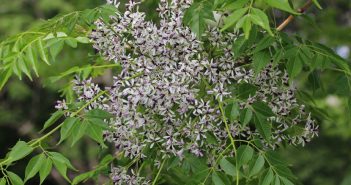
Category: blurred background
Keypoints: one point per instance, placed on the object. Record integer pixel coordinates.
(26, 105)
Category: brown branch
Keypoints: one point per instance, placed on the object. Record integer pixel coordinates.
(291, 17)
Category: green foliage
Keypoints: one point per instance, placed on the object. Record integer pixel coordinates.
(197, 15)
(22, 53)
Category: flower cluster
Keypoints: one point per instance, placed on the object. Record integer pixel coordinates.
(167, 94)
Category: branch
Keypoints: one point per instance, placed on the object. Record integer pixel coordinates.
(291, 17)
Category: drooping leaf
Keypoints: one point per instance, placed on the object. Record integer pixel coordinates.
(262, 125)
(233, 5)
(246, 25)
(268, 178)
(260, 18)
(19, 151)
(67, 127)
(45, 169)
(233, 18)
(3, 181)
(197, 15)
(95, 132)
(54, 117)
(245, 116)
(61, 168)
(286, 181)
(15, 179)
(4, 77)
(246, 90)
(264, 43)
(42, 52)
(83, 177)
(83, 40)
(227, 167)
(34, 166)
(55, 156)
(257, 167)
(79, 130)
(276, 180)
(260, 60)
(294, 66)
(282, 5)
(317, 4)
(232, 111)
(244, 155)
(216, 179)
(262, 108)
(99, 114)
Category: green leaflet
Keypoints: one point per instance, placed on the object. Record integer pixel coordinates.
(257, 167)
(260, 60)
(262, 125)
(232, 111)
(54, 117)
(244, 155)
(227, 167)
(260, 18)
(282, 5)
(262, 108)
(67, 128)
(19, 151)
(45, 169)
(216, 179)
(34, 165)
(233, 18)
(61, 163)
(245, 116)
(268, 178)
(196, 15)
(15, 179)
(317, 4)
(233, 5)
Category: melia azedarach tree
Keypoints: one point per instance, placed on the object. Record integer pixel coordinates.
(205, 94)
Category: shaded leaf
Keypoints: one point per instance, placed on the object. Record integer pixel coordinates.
(15, 179)
(232, 111)
(82, 177)
(260, 60)
(233, 18)
(45, 169)
(54, 117)
(227, 167)
(268, 178)
(67, 128)
(197, 14)
(34, 166)
(216, 179)
(282, 5)
(244, 155)
(98, 113)
(262, 108)
(19, 151)
(245, 116)
(257, 167)
(262, 125)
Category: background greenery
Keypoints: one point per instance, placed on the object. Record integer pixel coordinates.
(26, 105)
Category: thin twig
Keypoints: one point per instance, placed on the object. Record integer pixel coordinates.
(291, 17)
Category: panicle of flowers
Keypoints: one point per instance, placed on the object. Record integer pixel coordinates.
(120, 176)
(158, 100)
